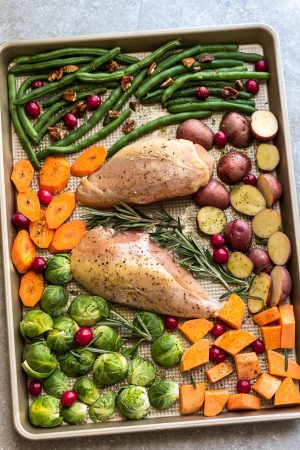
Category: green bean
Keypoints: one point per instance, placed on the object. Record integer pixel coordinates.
(100, 77)
(67, 79)
(209, 83)
(154, 125)
(219, 48)
(48, 65)
(78, 88)
(188, 100)
(212, 91)
(52, 121)
(216, 105)
(101, 134)
(12, 92)
(243, 56)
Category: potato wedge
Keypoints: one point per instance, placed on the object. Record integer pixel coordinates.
(265, 223)
(279, 248)
(261, 287)
(240, 265)
(270, 187)
(247, 200)
(211, 220)
(267, 157)
(282, 285)
(264, 125)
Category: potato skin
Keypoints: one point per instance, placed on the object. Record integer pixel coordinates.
(270, 187)
(238, 235)
(196, 131)
(260, 258)
(237, 129)
(282, 285)
(213, 194)
(233, 166)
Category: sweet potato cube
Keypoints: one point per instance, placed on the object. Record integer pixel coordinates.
(268, 316)
(287, 393)
(233, 312)
(196, 355)
(243, 401)
(287, 322)
(247, 365)
(218, 372)
(214, 401)
(266, 385)
(191, 398)
(276, 363)
(234, 341)
(271, 336)
(195, 329)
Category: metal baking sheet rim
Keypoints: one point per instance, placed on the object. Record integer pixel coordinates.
(146, 424)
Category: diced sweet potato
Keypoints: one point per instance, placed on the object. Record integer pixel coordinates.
(218, 372)
(238, 402)
(247, 365)
(276, 363)
(191, 398)
(271, 336)
(214, 401)
(196, 355)
(268, 316)
(266, 385)
(195, 329)
(234, 341)
(287, 322)
(287, 393)
(233, 312)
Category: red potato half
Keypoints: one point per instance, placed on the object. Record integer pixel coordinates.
(213, 194)
(237, 129)
(267, 157)
(270, 187)
(279, 248)
(266, 223)
(261, 287)
(238, 235)
(282, 285)
(264, 125)
(233, 166)
(260, 258)
(240, 265)
(247, 200)
(196, 131)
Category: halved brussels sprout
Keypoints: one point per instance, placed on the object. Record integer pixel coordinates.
(163, 394)
(35, 323)
(104, 407)
(87, 310)
(75, 414)
(153, 323)
(58, 270)
(110, 368)
(167, 350)
(44, 411)
(61, 338)
(38, 362)
(76, 366)
(86, 390)
(109, 340)
(54, 300)
(133, 402)
(56, 384)
(141, 372)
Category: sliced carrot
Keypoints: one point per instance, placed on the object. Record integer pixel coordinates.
(233, 312)
(29, 204)
(214, 401)
(268, 316)
(23, 251)
(60, 209)
(234, 341)
(271, 336)
(196, 355)
(40, 233)
(247, 365)
(266, 385)
(67, 236)
(287, 393)
(22, 175)
(218, 372)
(242, 401)
(31, 288)
(55, 174)
(287, 322)
(191, 398)
(89, 161)
(195, 329)
(276, 363)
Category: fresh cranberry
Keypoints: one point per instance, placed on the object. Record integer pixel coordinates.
(261, 66)
(243, 386)
(37, 84)
(201, 92)
(83, 336)
(93, 101)
(216, 354)
(217, 240)
(35, 387)
(220, 139)
(171, 323)
(250, 179)
(68, 398)
(220, 255)
(258, 346)
(44, 196)
(70, 120)
(218, 329)
(252, 86)
(20, 221)
(38, 264)
(33, 109)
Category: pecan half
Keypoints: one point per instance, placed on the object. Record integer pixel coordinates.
(70, 68)
(113, 114)
(229, 93)
(112, 66)
(206, 58)
(239, 84)
(128, 126)
(54, 133)
(188, 62)
(80, 109)
(126, 81)
(69, 95)
(132, 105)
(167, 82)
(151, 68)
(56, 75)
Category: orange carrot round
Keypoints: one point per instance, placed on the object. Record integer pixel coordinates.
(67, 236)
(40, 233)
(55, 174)
(89, 161)
(60, 209)
(22, 175)
(23, 251)
(31, 288)
(29, 205)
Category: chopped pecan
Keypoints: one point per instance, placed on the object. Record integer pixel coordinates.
(239, 84)
(70, 68)
(151, 68)
(69, 95)
(206, 58)
(229, 93)
(196, 69)
(132, 105)
(167, 82)
(54, 133)
(80, 109)
(126, 81)
(128, 126)
(188, 62)
(56, 75)
(112, 66)
(113, 114)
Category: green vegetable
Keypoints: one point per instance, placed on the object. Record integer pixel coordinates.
(58, 270)
(109, 339)
(34, 323)
(54, 300)
(210, 102)
(87, 310)
(48, 65)
(76, 364)
(151, 321)
(38, 362)
(133, 402)
(110, 368)
(212, 105)
(167, 350)
(243, 56)
(60, 341)
(75, 414)
(84, 89)
(86, 390)
(141, 372)
(104, 407)
(214, 91)
(56, 384)
(100, 77)
(163, 394)
(44, 411)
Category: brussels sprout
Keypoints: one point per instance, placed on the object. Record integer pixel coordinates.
(87, 310)
(141, 372)
(76, 366)
(167, 350)
(54, 300)
(109, 340)
(153, 323)
(104, 408)
(110, 368)
(162, 394)
(44, 411)
(86, 390)
(61, 338)
(65, 322)
(35, 323)
(39, 362)
(56, 384)
(58, 270)
(133, 402)
(75, 414)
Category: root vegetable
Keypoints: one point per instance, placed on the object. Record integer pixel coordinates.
(23, 251)
(55, 174)
(238, 402)
(89, 161)
(268, 316)
(213, 194)
(288, 326)
(211, 220)
(287, 393)
(247, 200)
(261, 287)
(29, 205)
(232, 312)
(191, 398)
(233, 167)
(218, 372)
(67, 236)
(279, 248)
(247, 366)
(237, 129)
(60, 209)
(267, 157)
(270, 187)
(239, 265)
(264, 125)
(282, 285)
(266, 385)
(277, 365)
(234, 341)
(238, 235)
(260, 258)
(271, 336)
(196, 355)
(214, 402)
(196, 131)
(31, 288)
(266, 223)
(40, 233)
(22, 175)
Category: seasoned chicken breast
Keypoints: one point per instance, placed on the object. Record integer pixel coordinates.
(147, 171)
(126, 267)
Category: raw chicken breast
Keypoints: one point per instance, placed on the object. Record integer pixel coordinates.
(126, 267)
(147, 171)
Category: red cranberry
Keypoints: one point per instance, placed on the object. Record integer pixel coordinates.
(171, 323)
(33, 109)
(37, 84)
(218, 329)
(216, 354)
(217, 240)
(250, 179)
(44, 196)
(201, 92)
(252, 86)
(70, 120)
(243, 386)
(220, 139)
(68, 398)
(220, 255)
(258, 346)
(93, 101)
(83, 336)
(35, 387)
(20, 221)
(261, 66)
(38, 264)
